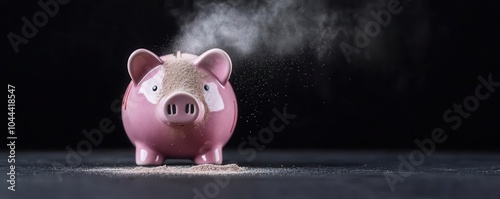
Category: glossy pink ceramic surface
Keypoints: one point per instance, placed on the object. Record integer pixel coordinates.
(186, 113)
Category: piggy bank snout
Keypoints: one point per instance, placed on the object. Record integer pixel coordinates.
(181, 108)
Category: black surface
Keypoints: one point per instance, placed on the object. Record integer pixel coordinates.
(283, 174)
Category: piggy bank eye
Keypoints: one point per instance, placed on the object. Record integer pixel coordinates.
(206, 87)
(155, 88)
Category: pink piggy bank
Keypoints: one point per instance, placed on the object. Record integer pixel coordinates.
(179, 106)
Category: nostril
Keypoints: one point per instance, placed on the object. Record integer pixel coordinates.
(189, 109)
(171, 109)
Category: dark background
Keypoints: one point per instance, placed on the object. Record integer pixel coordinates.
(396, 90)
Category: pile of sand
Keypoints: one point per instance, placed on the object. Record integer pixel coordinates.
(198, 169)
(205, 169)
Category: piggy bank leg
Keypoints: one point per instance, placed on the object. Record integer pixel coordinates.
(213, 156)
(145, 156)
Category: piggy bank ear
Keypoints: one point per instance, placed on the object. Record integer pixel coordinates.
(140, 62)
(217, 62)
